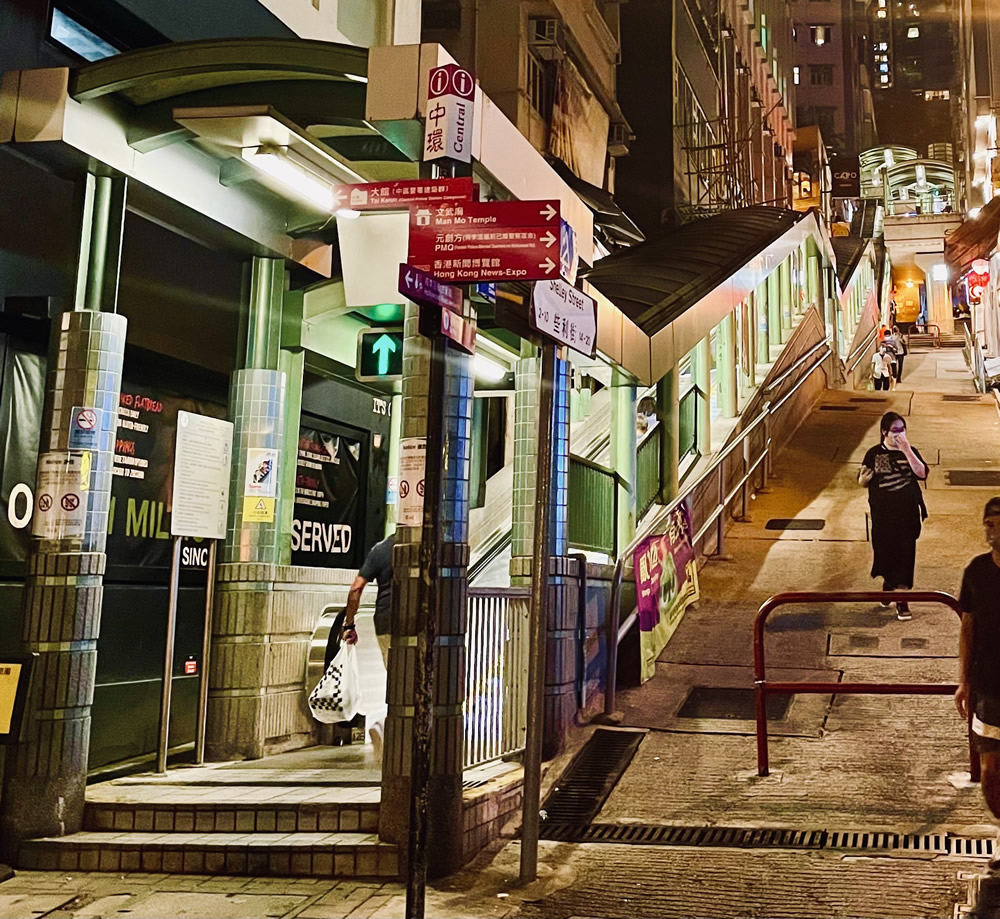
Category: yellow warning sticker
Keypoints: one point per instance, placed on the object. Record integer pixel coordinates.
(84, 471)
(9, 676)
(258, 509)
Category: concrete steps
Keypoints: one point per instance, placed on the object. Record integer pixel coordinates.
(342, 855)
(307, 830)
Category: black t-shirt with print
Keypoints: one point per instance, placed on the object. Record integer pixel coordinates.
(980, 598)
(894, 485)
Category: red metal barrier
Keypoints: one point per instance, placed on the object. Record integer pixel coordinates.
(763, 687)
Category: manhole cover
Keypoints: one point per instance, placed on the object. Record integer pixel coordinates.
(862, 399)
(796, 523)
(955, 398)
(863, 641)
(838, 408)
(973, 477)
(735, 704)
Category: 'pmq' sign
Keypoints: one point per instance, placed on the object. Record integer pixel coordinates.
(380, 355)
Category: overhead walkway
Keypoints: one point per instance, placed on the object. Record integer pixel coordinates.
(892, 768)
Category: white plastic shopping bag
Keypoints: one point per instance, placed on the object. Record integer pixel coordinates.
(337, 696)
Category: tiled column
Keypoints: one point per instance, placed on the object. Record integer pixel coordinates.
(259, 635)
(45, 775)
(726, 367)
(776, 331)
(702, 368)
(785, 288)
(623, 452)
(562, 606)
(763, 332)
(445, 815)
(668, 410)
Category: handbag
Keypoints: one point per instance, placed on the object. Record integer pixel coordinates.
(337, 696)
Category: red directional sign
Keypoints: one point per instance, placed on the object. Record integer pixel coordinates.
(399, 195)
(498, 241)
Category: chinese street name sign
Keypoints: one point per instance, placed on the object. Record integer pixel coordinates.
(566, 315)
(401, 194)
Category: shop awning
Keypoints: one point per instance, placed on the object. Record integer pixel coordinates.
(975, 238)
(657, 281)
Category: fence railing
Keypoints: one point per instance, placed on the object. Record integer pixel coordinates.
(647, 488)
(924, 329)
(593, 522)
(975, 359)
(496, 659)
(714, 491)
(763, 687)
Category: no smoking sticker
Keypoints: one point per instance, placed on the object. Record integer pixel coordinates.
(84, 428)
(412, 460)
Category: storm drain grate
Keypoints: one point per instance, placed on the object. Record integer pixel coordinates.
(973, 477)
(863, 399)
(838, 408)
(582, 791)
(641, 834)
(952, 397)
(795, 523)
(732, 703)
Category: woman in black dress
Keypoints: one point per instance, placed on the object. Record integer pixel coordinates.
(893, 471)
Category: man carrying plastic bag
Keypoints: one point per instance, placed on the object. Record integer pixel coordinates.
(337, 696)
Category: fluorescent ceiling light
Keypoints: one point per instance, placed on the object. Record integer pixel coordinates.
(356, 77)
(279, 164)
(486, 369)
(348, 213)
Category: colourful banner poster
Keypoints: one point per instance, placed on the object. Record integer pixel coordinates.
(666, 584)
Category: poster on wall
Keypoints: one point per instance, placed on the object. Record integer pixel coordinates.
(327, 527)
(666, 584)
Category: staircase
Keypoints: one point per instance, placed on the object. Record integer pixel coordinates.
(300, 828)
(929, 340)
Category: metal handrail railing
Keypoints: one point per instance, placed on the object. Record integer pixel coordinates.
(618, 629)
(860, 350)
(925, 326)
(825, 343)
(763, 687)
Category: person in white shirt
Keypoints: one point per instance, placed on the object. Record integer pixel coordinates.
(882, 368)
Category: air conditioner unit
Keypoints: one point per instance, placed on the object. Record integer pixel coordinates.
(619, 138)
(547, 38)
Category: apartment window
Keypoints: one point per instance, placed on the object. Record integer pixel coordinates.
(540, 86)
(795, 75)
(821, 75)
(884, 79)
(936, 95)
(913, 32)
(763, 31)
(820, 35)
(882, 46)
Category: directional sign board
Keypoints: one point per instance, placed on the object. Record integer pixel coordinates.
(451, 91)
(380, 355)
(420, 287)
(566, 315)
(399, 195)
(496, 241)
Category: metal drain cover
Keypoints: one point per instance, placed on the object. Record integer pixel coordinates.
(956, 398)
(974, 477)
(863, 399)
(795, 523)
(838, 408)
(732, 703)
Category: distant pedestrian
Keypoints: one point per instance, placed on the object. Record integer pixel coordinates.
(893, 471)
(881, 368)
(900, 352)
(979, 661)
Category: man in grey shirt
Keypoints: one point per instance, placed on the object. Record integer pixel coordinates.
(377, 567)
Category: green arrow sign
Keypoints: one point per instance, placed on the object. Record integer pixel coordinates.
(380, 355)
(383, 347)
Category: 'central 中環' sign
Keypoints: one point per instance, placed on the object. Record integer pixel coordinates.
(451, 92)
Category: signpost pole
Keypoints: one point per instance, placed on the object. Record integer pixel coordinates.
(168, 659)
(206, 649)
(536, 629)
(427, 613)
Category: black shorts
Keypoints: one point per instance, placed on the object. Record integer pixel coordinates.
(986, 724)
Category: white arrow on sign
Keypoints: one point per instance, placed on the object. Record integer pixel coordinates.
(548, 239)
(548, 265)
(548, 212)
(409, 278)
(338, 199)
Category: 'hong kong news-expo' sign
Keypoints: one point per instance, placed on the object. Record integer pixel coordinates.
(451, 91)
(496, 241)
(565, 315)
(401, 194)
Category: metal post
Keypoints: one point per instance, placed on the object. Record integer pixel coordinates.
(581, 630)
(720, 523)
(168, 659)
(206, 648)
(427, 620)
(763, 764)
(766, 468)
(614, 620)
(539, 592)
(746, 478)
